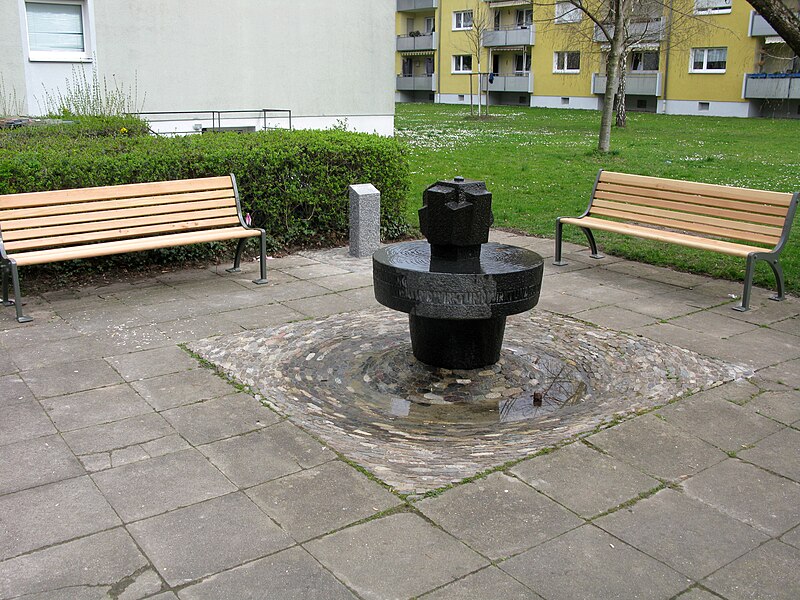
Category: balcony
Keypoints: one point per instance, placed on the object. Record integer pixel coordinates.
(641, 32)
(416, 83)
(777, 86)
(636, 84)
(417, 5)
(521, 83)
(407, 43)
(509, 36)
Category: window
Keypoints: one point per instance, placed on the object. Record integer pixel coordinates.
(522, 63)
(56, 31)
(525, 17)
(567, 62)
(462, 63)
(428, 24)
(712, 7)
(462, 20)
(708, 60)
(644, 61)
(567, 12)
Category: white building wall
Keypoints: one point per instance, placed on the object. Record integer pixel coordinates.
(325, 60)
(578, 102)
(12, 65)
(707, 109)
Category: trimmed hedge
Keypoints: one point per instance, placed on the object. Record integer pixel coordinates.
(294, 183)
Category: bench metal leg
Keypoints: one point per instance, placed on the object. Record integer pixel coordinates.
(17, 295)
(237, 258)
(592, 243)
(778, 271)
(748, 284)
(263, 260)
(6, 277)
(557, 258)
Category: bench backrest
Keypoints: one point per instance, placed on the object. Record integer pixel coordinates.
(702, 208)
(65, 218)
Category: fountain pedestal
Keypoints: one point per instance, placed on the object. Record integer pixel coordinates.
(457, 288)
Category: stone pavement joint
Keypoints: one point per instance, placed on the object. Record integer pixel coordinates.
(128, 471)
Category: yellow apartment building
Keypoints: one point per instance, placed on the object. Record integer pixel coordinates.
(703, 57)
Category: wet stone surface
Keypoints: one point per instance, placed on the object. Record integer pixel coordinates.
(352, 381)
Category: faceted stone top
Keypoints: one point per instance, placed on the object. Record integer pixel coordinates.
(455, 217)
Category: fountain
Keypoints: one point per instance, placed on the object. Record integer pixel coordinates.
(457, 288)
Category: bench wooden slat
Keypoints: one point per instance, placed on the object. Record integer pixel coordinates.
(98, 219)
(703, 189)
(694, 227)
(768, 215)
(39, 257)
(75, 210)
(96, 236)
(664, 236)
(132, 190)
(635, 211)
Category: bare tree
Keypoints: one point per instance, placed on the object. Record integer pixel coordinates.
(783, 18)
(481, 23)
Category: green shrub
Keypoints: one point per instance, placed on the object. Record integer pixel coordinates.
(294, 183)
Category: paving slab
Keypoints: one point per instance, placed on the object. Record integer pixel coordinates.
(176, 389)
(346, 281)
(259, 317)
(498, 516)
(792, 537)
(718, 324)
(68, 378)
(584, 480)
(657, 448)
(783, 407)
(126, 456)
(134, 339)
(151, 487)
(791, 325)
(165, 445)
(209, 537)
(661, 306)
(7, 367)
(322, 499)
(72, 349)
(614, 317)
(95, 407)
(777, 453)
(786, 373)
(645, 271)
(685, 534)
(565, 304)
(71, 509)
(273, 452)
(765, 501)
(119, 434)
(110, 558)
(150, 363)
(719, 422)
(37, 333)
(759, 348)
(171, 309)
(288, 575)
(766, 572)
(697, 593)
(590, 564)
(13, 391)
(490, 582)
(187, 330)
(294, 290)
(399, 556)
(36, 462)
(322, 306)
(314, 271)
(23, 419)
(220, 418)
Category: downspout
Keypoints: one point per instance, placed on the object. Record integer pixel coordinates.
(666, 57)
(438, 95)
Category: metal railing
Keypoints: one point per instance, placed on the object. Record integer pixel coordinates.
(218, 120)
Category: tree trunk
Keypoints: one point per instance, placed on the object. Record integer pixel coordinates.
(783, 20)
(620, 98)
(612, 76)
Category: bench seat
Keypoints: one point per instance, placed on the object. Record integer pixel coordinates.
(45, 227)
(742, 222)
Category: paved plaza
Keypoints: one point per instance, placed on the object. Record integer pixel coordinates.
(129, 469)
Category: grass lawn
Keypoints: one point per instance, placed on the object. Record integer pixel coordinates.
(541, 163)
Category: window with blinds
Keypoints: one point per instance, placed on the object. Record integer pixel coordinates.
(56, 28)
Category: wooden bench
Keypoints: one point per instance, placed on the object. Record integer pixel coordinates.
(697, 215)
(45, 227)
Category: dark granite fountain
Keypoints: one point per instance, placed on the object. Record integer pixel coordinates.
(457, 288)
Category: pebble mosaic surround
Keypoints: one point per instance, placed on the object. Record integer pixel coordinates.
(351, 381)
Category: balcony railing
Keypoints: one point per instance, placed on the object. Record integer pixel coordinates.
(416, 5)
(510, 36)
(425, 41)
(641, 31)
(777, 86)
(636, 84)
(416, 83)
(514, 82)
